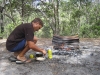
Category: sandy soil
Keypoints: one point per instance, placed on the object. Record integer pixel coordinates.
(63, 63)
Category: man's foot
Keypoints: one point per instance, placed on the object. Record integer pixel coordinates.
(23, 59)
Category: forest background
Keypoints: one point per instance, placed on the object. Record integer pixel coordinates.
(60, 17)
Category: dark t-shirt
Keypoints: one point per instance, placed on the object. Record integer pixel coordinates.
(23, 31)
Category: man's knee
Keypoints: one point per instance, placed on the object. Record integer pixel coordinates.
(35, 39)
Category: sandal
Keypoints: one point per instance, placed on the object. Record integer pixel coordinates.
(12, 59)
(23, 62)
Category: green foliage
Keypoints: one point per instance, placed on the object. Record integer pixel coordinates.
(45, 32)
(85, 31)
(96, 30)
(66, 31)
(8, 29)
(90, 31)
(73, 17)
(21, 7)
(77, 14)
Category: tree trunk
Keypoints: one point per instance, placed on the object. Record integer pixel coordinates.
(2, 27)
(22, 11)
(56, 17)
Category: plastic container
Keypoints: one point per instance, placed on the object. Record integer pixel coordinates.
(49, 53)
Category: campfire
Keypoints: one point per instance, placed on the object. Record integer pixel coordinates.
(65, 42)
(66, 45)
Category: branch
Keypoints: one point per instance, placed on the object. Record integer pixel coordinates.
(9, 16)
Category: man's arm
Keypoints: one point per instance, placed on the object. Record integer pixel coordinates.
(33, 46)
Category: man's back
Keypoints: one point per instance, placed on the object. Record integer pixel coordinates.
(23, 31)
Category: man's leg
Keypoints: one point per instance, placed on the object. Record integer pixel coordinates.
(16, 53)
(23, 52)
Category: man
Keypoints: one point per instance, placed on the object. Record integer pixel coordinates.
(22, 39)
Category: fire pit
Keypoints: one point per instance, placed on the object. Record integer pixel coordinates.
(65, 42)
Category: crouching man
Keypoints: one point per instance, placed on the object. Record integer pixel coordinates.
(22, 39)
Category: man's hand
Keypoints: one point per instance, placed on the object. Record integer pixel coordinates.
(44, 52)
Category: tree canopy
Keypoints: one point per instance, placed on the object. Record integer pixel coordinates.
(60, 17)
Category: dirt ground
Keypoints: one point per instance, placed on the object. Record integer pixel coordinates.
(85, 61)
